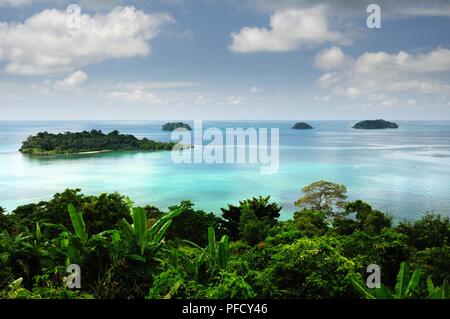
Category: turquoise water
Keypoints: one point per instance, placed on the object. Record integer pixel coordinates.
(405, 172)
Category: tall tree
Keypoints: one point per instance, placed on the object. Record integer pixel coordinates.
(323, 196)
(261, 208)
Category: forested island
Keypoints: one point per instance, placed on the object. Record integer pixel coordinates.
(45, 143)
(125, 251)
(302, 126)
(172, 126)
(375, 125)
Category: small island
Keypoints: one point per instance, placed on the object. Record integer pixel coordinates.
(86, 142)
(172, 126)
(302, 126)
(375, 125)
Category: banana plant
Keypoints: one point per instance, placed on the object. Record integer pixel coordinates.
(405, 286)
(438, 292)
(138, 232)
(220, 251)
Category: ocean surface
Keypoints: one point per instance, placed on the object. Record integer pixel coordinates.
(405, 172)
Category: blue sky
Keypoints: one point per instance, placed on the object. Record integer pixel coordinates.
(224, 59)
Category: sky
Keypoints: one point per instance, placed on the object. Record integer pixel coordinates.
(223, 60)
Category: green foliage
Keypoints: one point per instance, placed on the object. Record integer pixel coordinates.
(307, 268)
(429, 231)
(406, 286)
(260, 206)
(433, 262)
(365, 219)
(311, 222)
(192, 224)
(133, 252)
(252, 229)
(99, 212)
(176, 125)
(322, 196)
(94, 141)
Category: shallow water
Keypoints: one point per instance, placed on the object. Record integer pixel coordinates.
(405, 172)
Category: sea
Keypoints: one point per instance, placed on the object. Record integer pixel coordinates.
(404, 172)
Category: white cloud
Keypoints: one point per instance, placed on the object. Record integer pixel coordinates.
(73, 80)
(331, 59)
(235, 100)
(375, 74)
(437, 60)
(289, 30)
(136, 96)
(255, 90)
(45, 43)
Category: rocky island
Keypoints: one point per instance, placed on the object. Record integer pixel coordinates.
(375, 125)
(302, 126)
(86, 142)
(176, 125)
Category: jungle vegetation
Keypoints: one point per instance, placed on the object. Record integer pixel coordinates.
(375, 125)
(171, 126)
(126, 251)
(45, 143)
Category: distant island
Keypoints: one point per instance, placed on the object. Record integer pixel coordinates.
(176, 125)
(302, 126)
(375, 125)
(85, 142)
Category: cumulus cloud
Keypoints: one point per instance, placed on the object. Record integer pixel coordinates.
(331, 59)
(73, 80)
(289, 30)
(377, 75)
(46, 43)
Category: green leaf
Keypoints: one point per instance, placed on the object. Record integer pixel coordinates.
(402, 281)
(78, 223)
(161, 233)
(445, 290)
(38, 232)
(383, 293)
(211, 241)
(140, 224)
(414, 281)
(362, 291)
(430, 285)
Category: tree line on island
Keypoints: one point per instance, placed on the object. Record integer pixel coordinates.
(362, 125)
(94, 141)
(143, 252)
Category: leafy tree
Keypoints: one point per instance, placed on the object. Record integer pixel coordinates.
(192, 224)
(100, 213)
(323, 196)
(260, 206)
(251, 229)
(307, 268)
(366, 219)
(434, 262)
(429, 231)
(311, 222)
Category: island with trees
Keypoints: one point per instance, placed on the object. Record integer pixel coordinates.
(375, 125)
(172, 126)
(302, 126)
(95, 141)
(243, 252)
